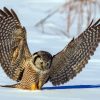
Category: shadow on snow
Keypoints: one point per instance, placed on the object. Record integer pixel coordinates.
(72, 87)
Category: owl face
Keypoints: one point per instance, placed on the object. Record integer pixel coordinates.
(42, 60)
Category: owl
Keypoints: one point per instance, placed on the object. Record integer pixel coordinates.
(32, 71)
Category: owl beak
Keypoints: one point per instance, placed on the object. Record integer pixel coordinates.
(42, 67)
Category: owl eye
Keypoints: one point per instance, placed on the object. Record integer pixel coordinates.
(48, 64)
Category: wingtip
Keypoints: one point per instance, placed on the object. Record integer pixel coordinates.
(2, 13)
(91, 23)
(97, 22)
(4, 7)
(15, 15)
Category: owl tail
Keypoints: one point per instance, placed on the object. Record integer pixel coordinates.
(10, 86)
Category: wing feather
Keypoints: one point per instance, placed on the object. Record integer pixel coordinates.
(14, 14)
(73, 58)
(13, 44)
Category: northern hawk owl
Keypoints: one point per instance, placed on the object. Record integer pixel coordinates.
(33, 71)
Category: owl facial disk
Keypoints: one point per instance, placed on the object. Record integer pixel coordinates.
(42, 60)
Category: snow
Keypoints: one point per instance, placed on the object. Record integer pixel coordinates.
(30, 12)
(79, 94)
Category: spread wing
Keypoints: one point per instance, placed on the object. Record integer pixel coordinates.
(13, 45)
(70, 61)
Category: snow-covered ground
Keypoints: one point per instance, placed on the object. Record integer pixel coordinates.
(30, 12)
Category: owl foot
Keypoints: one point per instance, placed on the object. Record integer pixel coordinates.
(34, 87)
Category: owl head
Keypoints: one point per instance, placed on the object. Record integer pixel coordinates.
(42, 60)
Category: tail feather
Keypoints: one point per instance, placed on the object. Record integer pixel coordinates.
(10, 86)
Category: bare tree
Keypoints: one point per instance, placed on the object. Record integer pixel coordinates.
(77, 12)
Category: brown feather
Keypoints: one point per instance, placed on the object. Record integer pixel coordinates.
(7, 12)
(73, 58)
(3, 13)
(14, 14)
(13, 49)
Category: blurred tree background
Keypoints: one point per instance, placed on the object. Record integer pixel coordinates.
(77, 12)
